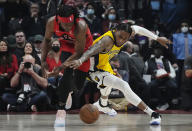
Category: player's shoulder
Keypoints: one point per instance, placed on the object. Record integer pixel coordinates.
(81, 24)
(51, 20)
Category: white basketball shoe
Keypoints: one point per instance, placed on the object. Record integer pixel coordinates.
(60, 118)
(155, 119)
(105, 109)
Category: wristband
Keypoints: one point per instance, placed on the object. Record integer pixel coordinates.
(18, 73)
(80, 61)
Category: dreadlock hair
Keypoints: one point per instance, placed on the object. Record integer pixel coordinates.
(66, 11)
(125, 27)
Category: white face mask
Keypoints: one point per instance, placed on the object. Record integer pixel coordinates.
(184, 29)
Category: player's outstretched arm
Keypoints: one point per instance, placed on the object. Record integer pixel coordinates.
(142, 31)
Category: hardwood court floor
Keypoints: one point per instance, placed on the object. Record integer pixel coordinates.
(122, 122)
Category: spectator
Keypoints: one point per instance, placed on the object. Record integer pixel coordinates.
(53, 60)
(47, 8)
(136, 82)
(38, 39)
(29, 84)
(8, 65)
(92, 20)
(80, 6)
(111, 20)
(14, 10)
(138, 59)
(182, 47)
(163, 77)
(11, 42)
(2, 20)
(142, 41)
(101, 10)
(186, 90)
(29, 49)
(33, 24)
(20, 43)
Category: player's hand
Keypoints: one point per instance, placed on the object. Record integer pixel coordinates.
(75, 64)
(56, 71)
(164, 41)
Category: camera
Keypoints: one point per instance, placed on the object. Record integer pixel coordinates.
(21, 98)
(27, 65)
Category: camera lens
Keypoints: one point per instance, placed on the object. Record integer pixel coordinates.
(27, 64)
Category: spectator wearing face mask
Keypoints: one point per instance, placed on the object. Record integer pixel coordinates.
(111, 20)
(182, 47)
(53, 59)
(92, 20)
(102, 7)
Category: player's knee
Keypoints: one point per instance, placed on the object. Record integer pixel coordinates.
(106, 91)
(122, 85)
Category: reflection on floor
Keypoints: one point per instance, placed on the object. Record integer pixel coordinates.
(179, 121)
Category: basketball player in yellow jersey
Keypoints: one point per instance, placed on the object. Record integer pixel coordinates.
(103, 49)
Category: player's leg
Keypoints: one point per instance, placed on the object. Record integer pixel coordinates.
(62, 91)
(123, 86)
(79, 83)
(102, 104)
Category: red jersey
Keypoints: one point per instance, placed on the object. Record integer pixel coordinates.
(10, 69)
(67, 42)
(52, 63)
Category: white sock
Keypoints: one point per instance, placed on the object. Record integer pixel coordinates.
(148, 110)
(103, 101)
(69, 101)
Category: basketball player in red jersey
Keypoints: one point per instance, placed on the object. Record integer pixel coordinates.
(75, 38)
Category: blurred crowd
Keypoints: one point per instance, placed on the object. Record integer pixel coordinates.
(161, 76)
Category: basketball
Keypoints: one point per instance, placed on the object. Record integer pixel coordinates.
(89, 113)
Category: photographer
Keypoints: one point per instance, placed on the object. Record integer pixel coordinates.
(30, 84)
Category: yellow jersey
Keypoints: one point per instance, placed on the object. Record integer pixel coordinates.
(102, 59)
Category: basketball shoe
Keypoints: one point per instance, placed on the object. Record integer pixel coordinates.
(155, 119)
(105, 109)
(60, 118)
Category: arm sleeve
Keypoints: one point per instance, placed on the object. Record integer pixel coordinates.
(142, 31)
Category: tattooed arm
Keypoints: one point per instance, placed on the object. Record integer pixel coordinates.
(46, 45)
(97, 48)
